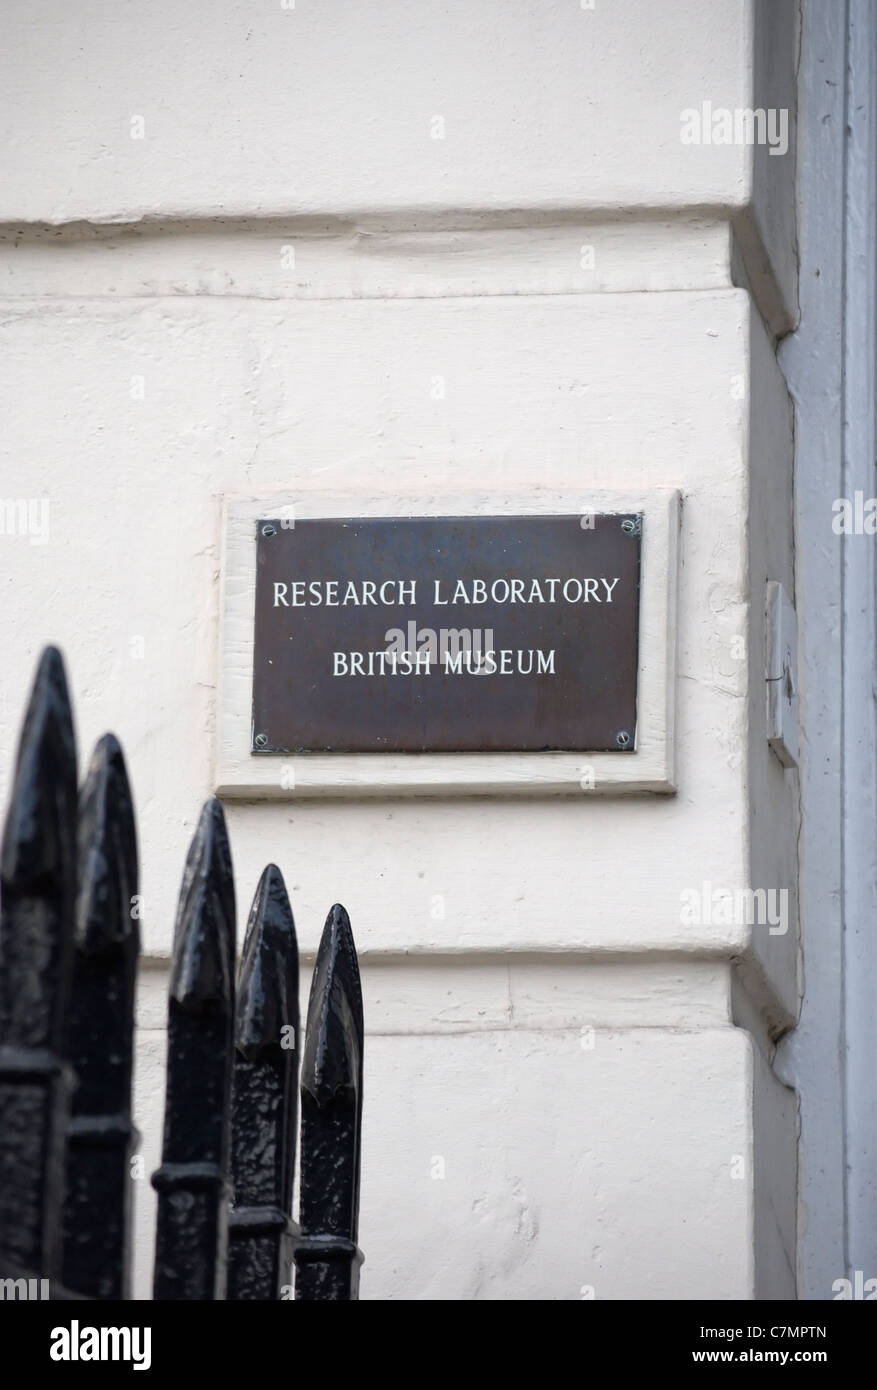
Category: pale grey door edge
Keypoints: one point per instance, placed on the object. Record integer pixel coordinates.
(830, 366)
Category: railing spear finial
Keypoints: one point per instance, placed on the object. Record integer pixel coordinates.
(192, 1182)
(100, 1032)
(37, 881)
(327, 1257)
(265, 1104)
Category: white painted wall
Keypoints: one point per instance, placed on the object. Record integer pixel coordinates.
(155, 365)
(327, 109)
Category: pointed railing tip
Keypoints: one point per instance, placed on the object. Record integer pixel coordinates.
(268, 982)
(204, 935)
(333, 1049)
(35, 842)
(107, 842)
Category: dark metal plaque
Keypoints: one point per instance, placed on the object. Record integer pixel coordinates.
(446, 634)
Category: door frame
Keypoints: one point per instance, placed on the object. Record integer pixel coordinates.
(829, 362)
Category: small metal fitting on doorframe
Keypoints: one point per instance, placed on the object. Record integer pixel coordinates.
(781, 674)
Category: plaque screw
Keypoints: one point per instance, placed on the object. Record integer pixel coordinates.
(269, 531)
(261, 740)
(622, 739)
(632, 526)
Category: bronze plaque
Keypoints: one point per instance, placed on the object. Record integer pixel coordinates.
(446, 634)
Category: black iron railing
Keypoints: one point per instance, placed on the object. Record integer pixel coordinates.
(69, 944)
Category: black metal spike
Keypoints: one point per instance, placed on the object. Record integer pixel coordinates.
(37, 879)
(265, 1106)
(327, 1257)
(192, 1182)
(100, 1029)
